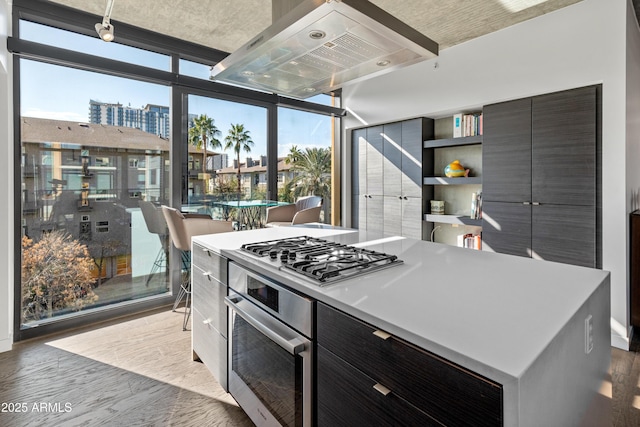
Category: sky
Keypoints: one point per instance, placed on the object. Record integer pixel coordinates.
(62, 93)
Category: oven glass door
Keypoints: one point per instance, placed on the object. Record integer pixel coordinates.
(273, 373)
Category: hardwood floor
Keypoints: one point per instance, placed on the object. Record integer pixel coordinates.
(136, 372)
(139, 372)
(625, 381)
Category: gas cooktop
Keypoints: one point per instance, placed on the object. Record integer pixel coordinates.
(322, 260)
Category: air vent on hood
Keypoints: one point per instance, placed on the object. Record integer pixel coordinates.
(322, 44)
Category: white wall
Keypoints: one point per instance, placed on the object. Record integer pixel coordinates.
(632, 157)
(579, 45)
(6, 183)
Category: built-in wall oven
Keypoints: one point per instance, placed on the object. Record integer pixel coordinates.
(270, 349)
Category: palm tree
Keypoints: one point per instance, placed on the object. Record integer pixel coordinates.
(202, 134)
(312, 169)
(238, 139)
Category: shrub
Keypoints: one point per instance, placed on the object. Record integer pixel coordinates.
(56, 276)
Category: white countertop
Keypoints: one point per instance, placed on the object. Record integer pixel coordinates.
(492, 313)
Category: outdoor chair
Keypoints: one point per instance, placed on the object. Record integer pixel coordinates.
(304, 210)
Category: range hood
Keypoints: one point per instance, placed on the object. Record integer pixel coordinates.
(322, 44)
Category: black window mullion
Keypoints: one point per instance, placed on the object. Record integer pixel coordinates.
(71, 58)
(71, 19)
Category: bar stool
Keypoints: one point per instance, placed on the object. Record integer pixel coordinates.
(156, 224)
(182, 227)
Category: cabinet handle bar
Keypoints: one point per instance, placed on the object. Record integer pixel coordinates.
(382, 334)
(381, 389)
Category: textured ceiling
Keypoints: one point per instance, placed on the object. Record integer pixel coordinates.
(228, 24)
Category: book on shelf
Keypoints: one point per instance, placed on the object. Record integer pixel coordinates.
(476, 205)
(470, 241)
(457, 125)
(467, 125)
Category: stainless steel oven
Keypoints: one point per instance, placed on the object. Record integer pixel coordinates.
(270, 349)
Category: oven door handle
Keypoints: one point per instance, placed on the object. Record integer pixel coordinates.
(294, 346)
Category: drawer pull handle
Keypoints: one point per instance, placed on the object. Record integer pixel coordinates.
(206, 322)
(381, 389)
(207, 251)
(382, 334)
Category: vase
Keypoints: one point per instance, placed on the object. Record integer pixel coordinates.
(455, 170)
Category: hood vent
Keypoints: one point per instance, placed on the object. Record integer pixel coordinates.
(322, 44)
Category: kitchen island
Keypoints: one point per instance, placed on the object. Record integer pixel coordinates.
(538, 330)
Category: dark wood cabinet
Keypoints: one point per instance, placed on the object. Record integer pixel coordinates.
(506, 154)
(347, 397)
(563, 147)
(635, 268)
(417, 384)
(387, 177)
(506, 228)
(540, 183)
(564, 233)
(413, 134)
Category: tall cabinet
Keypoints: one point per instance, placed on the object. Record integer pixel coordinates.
(541, 162)
(387, 177)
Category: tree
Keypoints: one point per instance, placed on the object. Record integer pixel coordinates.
(238, 139)
(312, 172)
(56, 276)
(101, 249)
(204, 134)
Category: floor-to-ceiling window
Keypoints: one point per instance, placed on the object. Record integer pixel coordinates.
(236, 152)
(93, 148)
(305, 167)
(104, 130)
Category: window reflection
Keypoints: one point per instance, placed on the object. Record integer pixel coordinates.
(85, 241)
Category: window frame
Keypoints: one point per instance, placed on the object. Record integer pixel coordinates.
(70, 19)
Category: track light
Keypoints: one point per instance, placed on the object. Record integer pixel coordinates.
(105, 29)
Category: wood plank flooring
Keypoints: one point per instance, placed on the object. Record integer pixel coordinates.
(625, 381)
(136, 372)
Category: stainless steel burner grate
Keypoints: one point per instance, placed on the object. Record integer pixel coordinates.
(320, 259)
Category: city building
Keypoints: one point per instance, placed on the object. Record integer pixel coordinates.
(151, 118)
(253, 175)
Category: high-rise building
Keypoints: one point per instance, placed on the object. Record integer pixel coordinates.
(153, 119)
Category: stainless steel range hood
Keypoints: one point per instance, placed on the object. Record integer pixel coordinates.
(322, 44)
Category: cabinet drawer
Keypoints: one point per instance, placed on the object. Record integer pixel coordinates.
(210, 346)
(447, 392)
(208, 297)
(347, 397)
(210, 261)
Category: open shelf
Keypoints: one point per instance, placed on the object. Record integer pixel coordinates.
(453, 219)
(453, 142)
(443, 180)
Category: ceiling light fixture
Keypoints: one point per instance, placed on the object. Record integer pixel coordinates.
(105, 29)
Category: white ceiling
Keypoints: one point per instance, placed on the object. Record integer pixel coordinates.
(227, 25)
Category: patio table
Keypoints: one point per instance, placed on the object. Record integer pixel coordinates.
(251, 213)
